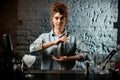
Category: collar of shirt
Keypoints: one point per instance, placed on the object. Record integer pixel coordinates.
(65, 32)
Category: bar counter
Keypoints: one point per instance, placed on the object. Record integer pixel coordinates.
(62, 75)
(56, 75)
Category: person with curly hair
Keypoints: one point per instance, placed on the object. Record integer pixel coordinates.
(59, 48)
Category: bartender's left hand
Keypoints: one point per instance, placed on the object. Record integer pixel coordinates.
(62, 58)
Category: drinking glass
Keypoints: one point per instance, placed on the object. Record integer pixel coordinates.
(29, 60)
(102, 65)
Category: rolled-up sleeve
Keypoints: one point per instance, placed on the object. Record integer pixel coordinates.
(82, 49)
(33, 46)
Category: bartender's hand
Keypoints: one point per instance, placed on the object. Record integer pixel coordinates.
(60, 59)
(62, 39)
(49, 44)
(67, 58)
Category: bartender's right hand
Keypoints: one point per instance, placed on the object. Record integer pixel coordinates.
(62, 39)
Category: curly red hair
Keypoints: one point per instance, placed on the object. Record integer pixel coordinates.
(61, 8)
